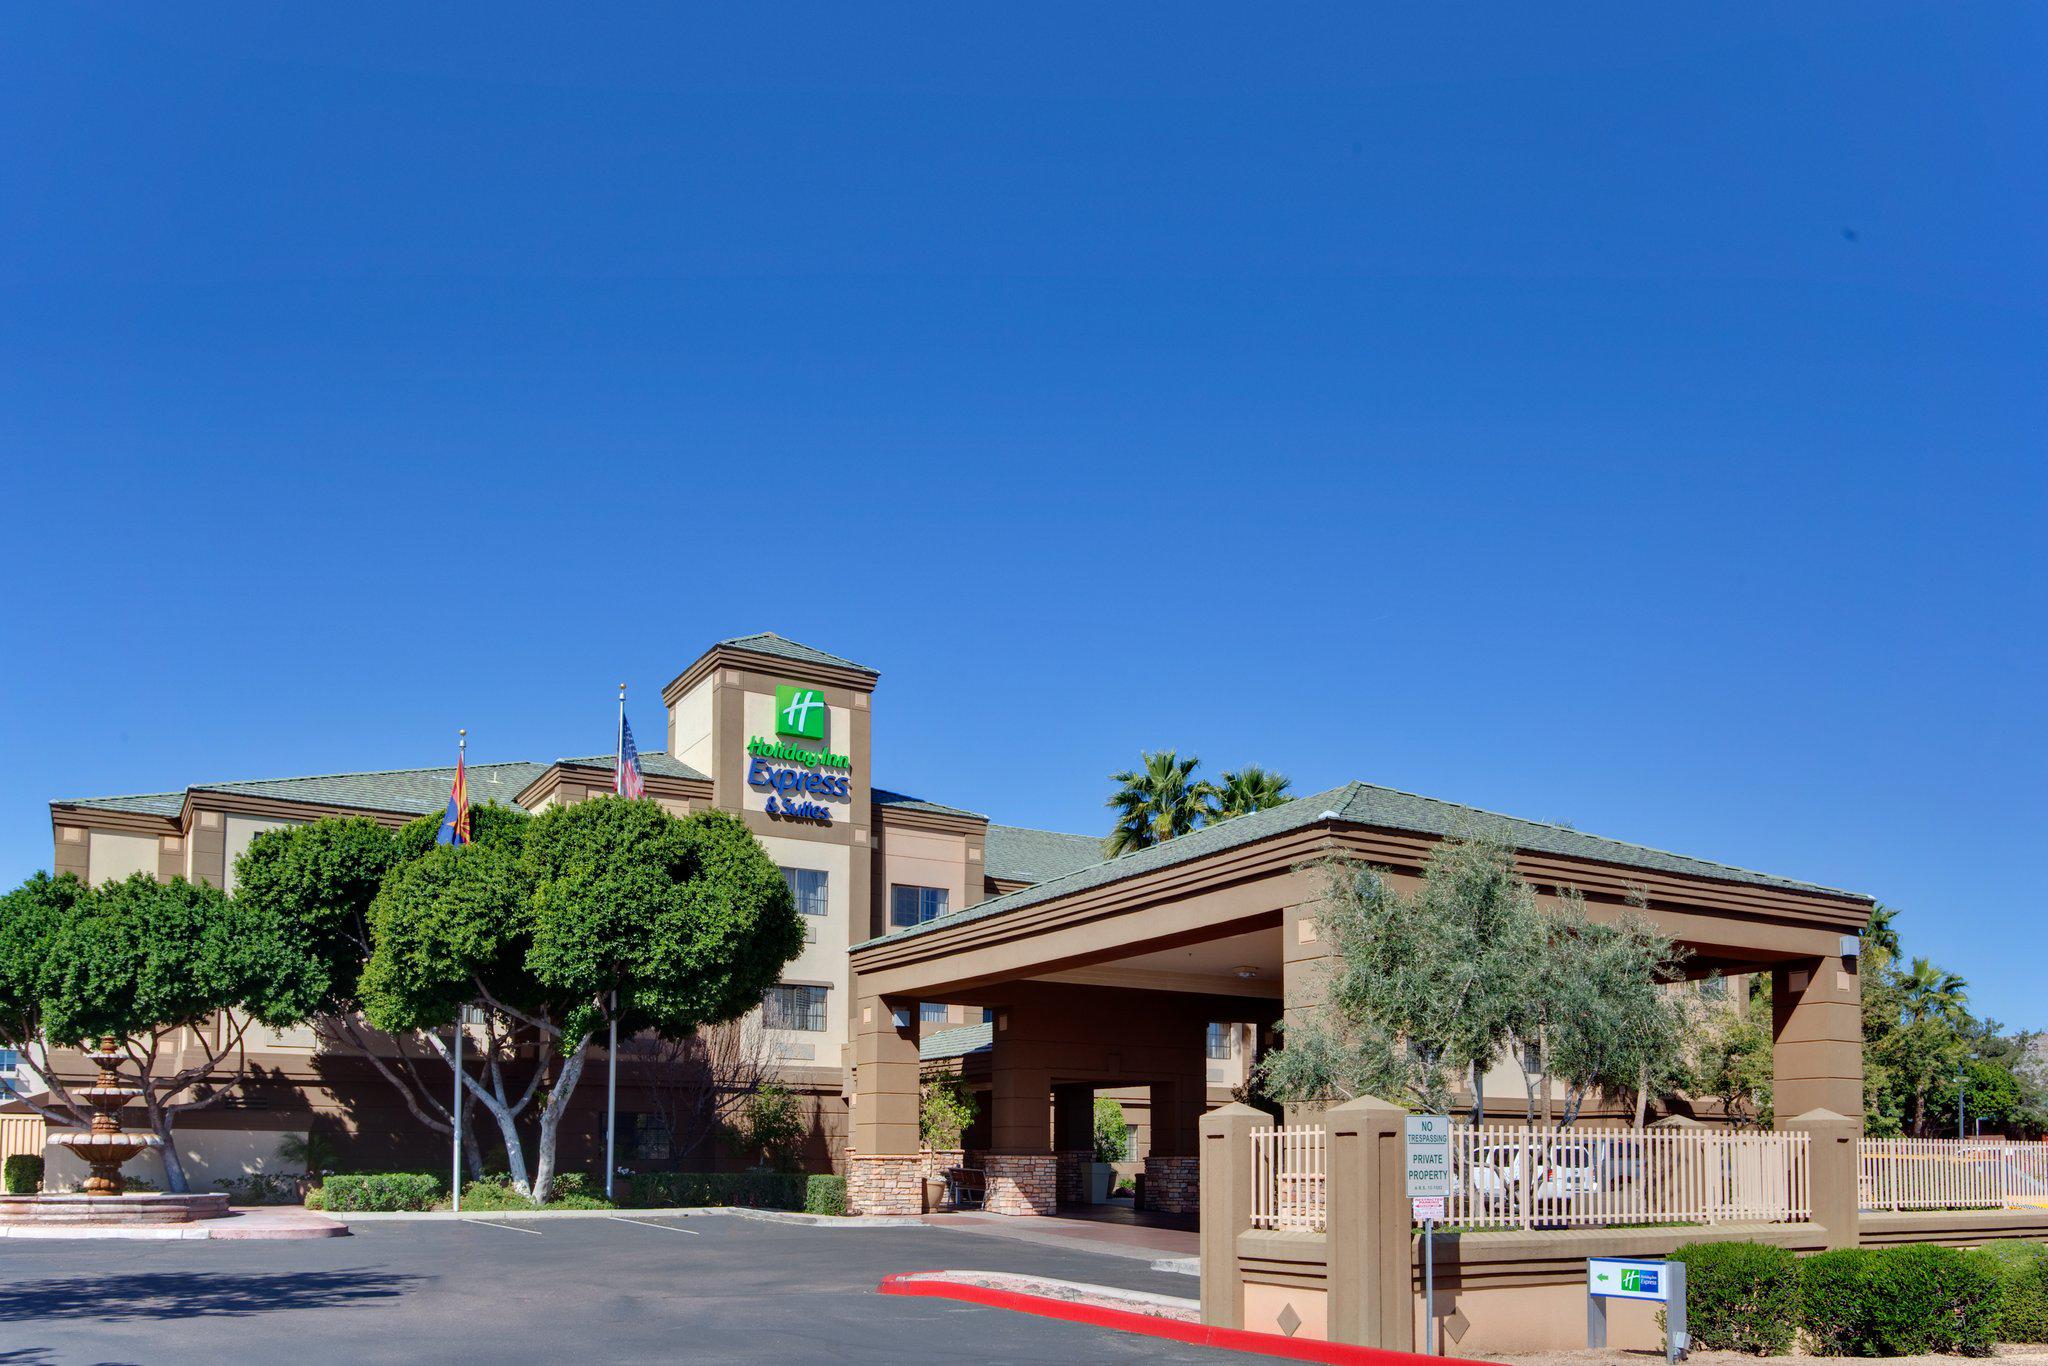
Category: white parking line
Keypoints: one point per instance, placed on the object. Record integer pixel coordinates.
(665, 1228)
(493, 1223)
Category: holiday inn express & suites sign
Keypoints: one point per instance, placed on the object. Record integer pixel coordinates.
(795, 773)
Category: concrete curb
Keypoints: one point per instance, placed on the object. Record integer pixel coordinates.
(767, 1216)
(241, 1226)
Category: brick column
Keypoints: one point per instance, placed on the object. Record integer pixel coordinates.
(885, 1173)
(1073, 1139)
(1226, 1204)
(1371, 1266)
(1834, 1169)
(1817, 1037)
(1021, 1183)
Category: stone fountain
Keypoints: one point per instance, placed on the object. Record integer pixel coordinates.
(105, 1146)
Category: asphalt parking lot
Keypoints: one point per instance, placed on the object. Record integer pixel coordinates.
(702, 1289)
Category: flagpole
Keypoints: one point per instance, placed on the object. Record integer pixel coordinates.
(455, 1158)
(611, 1081)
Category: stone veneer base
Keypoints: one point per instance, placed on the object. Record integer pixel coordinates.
(885, 1183)
(1021, 1183)
(1173, 1185)
(1073, 1181)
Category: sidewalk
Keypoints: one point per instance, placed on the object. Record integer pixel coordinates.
(1083, 1233)
(251, 1222)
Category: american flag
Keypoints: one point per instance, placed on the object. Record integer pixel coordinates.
(626, 779)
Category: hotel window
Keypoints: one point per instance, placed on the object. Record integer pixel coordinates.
(932, 1012)
(9, 1062)
(1219, 1040)
(648, 1140)
(788, 1007)
(915, 905)
(807, 886)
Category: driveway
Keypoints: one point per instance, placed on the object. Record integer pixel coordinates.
(583, 1290)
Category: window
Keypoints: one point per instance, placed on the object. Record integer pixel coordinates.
(988, 1014)
(647, 1139)
(9, 1061)
(915, 905)
(788, 1007)
(932, 1012)
(1219, 1040)
(807, 885)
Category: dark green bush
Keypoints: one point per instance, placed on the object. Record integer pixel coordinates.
(1831, 1285)
(825, 1195)
(1900, 1301)
(686, 1190)
(1740, 1297)
(368, 1192)
(2022, 1272)
(22, 1174)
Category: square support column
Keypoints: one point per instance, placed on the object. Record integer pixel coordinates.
(1371, 1261)
(1226, 1178)
(885, 1171)
(1817, 1037)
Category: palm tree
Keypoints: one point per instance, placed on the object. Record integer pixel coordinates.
(1159, 801)
(1883, 932)
(1250, 789)
(1934, 1005)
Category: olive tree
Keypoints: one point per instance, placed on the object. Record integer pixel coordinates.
(607, 911)
(33, 920)
(144, 961)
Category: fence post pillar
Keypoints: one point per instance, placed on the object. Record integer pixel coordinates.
(1833, 1166)
(1226, 1204)
(1368, 1239)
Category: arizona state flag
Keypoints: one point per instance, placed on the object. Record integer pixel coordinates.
(455, 823)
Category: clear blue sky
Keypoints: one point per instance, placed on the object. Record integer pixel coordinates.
(1630, 418)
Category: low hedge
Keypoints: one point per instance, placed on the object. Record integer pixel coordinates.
(825, 1195)
(748, 1190)
(2022, 1272)
(1900, 1301)
(1740, 1297)
(22, 1174)
(380, 1192)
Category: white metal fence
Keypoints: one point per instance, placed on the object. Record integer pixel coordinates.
(1948, 1173)
(1517, 1175)
(1290, 1177)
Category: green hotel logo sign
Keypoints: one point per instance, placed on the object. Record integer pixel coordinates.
(799, 711)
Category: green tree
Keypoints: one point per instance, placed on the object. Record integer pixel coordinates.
(34, 919)
(1112, 1131)
(1159, 801)
(1929, 1042)
(944, 1111)
(1425, 988)
(143, 960)
(771, 1124)
(1736, 1064)
(608, 910)
(1251, 788)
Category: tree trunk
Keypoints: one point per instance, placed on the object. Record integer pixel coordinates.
(1642, 1095)
(1478, 1094)
(174, 1167)
(551, 1120)
(1543, 1060)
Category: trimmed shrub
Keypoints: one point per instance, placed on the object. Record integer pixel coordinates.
(1832, 1287)
(23, 1174)
(2022, 1272)
(1900, 1301)
(315, 1198)
(380, 1192)
(1740, 1297)
(496, 1192)
(752, 1190)
(825, 1195)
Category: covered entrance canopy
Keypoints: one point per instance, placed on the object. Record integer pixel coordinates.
(1110, 975)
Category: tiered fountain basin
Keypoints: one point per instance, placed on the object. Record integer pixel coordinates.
(105, 1146)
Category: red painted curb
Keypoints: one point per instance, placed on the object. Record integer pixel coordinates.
(1194, 1334)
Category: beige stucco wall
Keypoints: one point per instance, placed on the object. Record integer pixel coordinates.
(690, 727)
(113, 855)
(208, 1154)
(919, 858)
(824, 958)
(240, 831)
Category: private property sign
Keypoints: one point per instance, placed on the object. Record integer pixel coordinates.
(1427, 1151)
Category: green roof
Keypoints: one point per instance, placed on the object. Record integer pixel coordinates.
(768, 643)
(899, 801)
(142, 803)
(954, 1042)
(651, 761)
(1366, 805)
(1017, 854)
